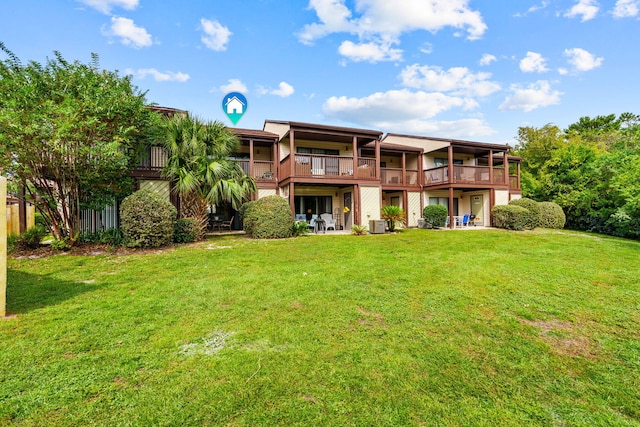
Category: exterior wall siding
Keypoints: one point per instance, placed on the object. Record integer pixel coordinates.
(265, 192)
(94, 221)
(369, 204)
(157, 186)
(413, 210)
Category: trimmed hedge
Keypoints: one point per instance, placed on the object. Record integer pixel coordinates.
(268, 218)
(147, 220)
(511, 217)
(187, 230)
(551, 215)
(533, 208)
(436, 215)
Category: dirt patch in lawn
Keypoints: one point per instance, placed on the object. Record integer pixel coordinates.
(564, 337)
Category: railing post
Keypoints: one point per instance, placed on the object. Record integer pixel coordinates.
(491, 167)
(251, 158)
(292, 154)
(450, 163)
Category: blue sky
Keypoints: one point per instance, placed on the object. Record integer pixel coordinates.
(446, 68)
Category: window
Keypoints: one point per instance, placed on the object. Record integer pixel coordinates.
(321, 151)
(444, 201)
(317, 204)
(439, 162)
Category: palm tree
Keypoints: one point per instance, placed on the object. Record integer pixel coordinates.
(198, 163)
(392, 214)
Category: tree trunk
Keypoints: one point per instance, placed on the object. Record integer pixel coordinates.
(194, 206)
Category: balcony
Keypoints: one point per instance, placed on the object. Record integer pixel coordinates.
(262, 170)
(393, 176)
(472, 175)
(324, 166)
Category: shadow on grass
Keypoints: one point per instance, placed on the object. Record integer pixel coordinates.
(27, 292)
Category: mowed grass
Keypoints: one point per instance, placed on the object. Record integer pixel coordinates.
(473, 327)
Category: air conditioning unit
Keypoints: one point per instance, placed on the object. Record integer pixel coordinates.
(377, 226)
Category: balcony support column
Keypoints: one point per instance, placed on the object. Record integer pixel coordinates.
(450, 164)
(292, 200)
(378, 176)
(251, 158)
(404, 168)
(451, 220)
(505, 163)
(491, 167)
(355, 157)
(292, 154)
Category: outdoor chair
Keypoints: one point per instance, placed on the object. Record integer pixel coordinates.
(328, 220)
(465, 221)
(226, 224)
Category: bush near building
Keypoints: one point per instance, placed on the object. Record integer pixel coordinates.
(268, 218)
(435, 215)
(551, 215)
(147, 220)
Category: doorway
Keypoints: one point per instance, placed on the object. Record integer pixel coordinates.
(477, 209)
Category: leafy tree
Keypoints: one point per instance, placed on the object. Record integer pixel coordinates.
(198, 162)
(71, 131)
(592, 170)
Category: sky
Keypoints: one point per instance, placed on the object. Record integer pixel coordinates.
(475, 70)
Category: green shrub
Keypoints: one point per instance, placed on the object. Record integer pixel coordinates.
(511, 217)
(268, 218)
(436, 215)
(63, 244)
(533, 208)
(112, 236)
(300, 228)
(147, 219)
(187, 230)
(31, 238)
(359, 230)
(551, 215)
(393, 215)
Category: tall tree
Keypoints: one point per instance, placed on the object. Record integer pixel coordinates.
(198, 162)
(71, 131)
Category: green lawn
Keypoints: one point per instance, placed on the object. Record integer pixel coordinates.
(473, 327)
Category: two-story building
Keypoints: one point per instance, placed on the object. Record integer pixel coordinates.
(351, 173)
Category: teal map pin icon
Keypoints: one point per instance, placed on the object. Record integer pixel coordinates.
(234, 105)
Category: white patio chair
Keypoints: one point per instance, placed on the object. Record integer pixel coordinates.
(328, 220)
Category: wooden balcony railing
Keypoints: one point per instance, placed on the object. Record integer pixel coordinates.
(262, 170)
(321, 166)
(152, 159)
(514, 183)
(464, 175)
(394, 176)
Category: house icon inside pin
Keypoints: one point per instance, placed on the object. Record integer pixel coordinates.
(234, 106)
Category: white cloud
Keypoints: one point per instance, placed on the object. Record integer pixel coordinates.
(234, 85)
(563, 71)
(105, 6)
(533, 96)
(626, 9)
(487, 59)
(464, 128)
(393, 105)
(532, 9)
(369, 52)
(284, 90)
(158, 76)
(533, 62)
(587, 9)
(426, 48)
(383, 22)
(128, 32)
(582, 60)
(216, 36)
(458, 80)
